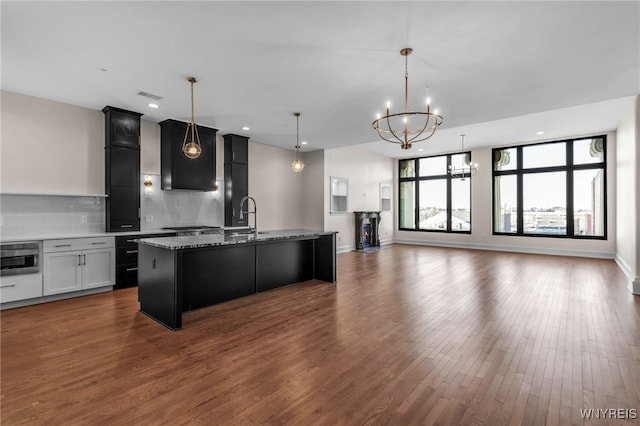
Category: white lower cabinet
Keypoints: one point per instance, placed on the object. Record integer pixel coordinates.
(77, 264)
(20, 287)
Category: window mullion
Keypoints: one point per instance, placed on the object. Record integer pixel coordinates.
(569, 191)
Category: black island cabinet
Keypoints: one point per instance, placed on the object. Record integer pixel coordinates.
(180, 274)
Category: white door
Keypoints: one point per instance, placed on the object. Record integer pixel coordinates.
(99, 268)
(62, 272)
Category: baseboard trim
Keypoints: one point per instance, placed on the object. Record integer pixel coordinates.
(634, 282)
(517, 249)
(53, 298)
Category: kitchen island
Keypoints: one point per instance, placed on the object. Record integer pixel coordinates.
(178, 274)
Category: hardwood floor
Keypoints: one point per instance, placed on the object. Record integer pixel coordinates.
(409, 335)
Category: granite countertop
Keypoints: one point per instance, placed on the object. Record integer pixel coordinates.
(211, 240)
(39, 237)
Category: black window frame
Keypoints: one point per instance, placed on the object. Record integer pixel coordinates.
(568, 168)
(416, 179)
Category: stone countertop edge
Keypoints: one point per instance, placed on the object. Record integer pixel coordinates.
(213, 240)
(41, 237)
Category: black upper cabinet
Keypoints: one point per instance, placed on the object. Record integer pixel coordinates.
(122, 128)
(236, 178)
(180, 172)
(122, 169)
(236, 149)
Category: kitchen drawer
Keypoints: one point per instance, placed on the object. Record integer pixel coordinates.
(127, 255)
(127, 241)
(20, 287)
(72, 244)
(127, 275)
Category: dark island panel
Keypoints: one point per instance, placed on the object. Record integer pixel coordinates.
(159, 294)
(325, 258)
(214, 276)
(283, 263)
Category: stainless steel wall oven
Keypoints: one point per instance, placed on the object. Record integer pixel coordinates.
(20, 258)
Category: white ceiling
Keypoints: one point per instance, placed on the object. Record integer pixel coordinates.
(497, 71)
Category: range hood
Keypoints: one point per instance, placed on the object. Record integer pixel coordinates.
(180, 172)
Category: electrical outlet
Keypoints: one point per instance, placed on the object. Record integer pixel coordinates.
(148, 218)
(83, 219)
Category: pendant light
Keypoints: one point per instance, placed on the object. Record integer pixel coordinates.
(297, 165)
(191, 146)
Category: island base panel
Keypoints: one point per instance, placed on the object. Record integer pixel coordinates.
(283, 263)
(325, 258)
(160, 297)
(218, 275)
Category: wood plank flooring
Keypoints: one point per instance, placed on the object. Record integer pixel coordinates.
(409, 335)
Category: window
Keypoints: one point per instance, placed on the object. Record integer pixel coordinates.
(551, 189)
(430, 199)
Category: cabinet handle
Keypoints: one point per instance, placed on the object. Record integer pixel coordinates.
(131, 251)
(63, 245)
(131, 241)
(131, 269)
(126, 226)
(7, 286)
(100, 242)
(79, 260)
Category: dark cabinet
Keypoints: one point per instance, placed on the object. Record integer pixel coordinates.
(127, 259)
(180, 172)
(122, 169)
(236, 183)
(236, 149)
(122, 128)
(236, 178)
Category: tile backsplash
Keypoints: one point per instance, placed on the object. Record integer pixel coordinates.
(53, 214)
(178, 208)
(50, 214)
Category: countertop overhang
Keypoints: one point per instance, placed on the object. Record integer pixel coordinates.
(212, 240)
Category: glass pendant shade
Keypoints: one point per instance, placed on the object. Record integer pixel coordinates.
(297, 165)
(192, 149)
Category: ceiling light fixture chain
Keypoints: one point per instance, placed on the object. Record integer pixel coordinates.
(192, 149)
(396, 128)
(297, 165)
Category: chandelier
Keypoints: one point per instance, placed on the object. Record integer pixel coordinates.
(407, 127)
(193, 148)
(466, 167)
(297, 165)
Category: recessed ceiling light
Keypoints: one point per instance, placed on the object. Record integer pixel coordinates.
(246, 128)
(153, 106)
(540, 133)
(303, 143)
(420, 149)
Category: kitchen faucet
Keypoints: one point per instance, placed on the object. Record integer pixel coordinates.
(254, 212)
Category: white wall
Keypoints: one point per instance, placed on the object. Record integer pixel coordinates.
(50, 148)
(628, 172)
(481, 219)
(365, 171)
(275, 187)
(313, 190)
